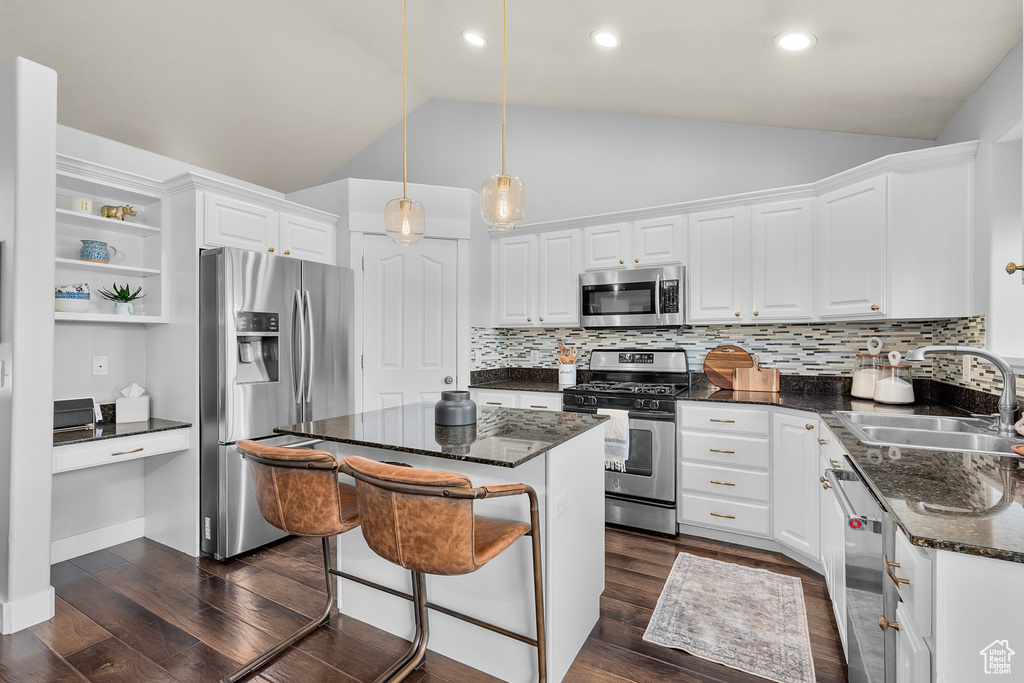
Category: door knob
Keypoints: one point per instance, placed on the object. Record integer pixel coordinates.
(448, 379)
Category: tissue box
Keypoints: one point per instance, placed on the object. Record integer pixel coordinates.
(132, 409)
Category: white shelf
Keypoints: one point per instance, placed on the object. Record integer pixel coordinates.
(94, 222)
(109, 318)
(108, 268)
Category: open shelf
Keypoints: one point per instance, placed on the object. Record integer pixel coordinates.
(109, 318)
(106, 268)
(94, 222)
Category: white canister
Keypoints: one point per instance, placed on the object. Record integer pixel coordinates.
(566, 374)
(81, 204)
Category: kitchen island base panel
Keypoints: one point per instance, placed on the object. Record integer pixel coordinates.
(569, 480)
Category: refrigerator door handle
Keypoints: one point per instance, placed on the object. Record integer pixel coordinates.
(308, 313)
(298, 374)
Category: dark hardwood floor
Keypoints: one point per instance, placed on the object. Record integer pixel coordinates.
(142, 611)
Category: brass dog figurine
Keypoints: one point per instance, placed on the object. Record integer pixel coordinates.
(118, 212)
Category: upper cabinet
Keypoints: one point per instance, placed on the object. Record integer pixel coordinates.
(851, 231)
(249, 220)
(719, 266)
(536, 279)
(642, 243)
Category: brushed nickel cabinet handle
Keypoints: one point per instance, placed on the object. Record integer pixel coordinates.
(134, 450)
(722, 483)
(715, 419)
(716, 514)
(719, 450)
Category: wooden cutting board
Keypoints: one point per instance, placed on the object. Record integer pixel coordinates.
(721, 362)
(756, 379)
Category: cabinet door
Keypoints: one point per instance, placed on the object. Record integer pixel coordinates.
(515, 275)
(533, 400)
(781, 260)
(495, 398)
(796, 485)
(558, 269)
(913, 659)
(307, 239)
(606, 246)
(851, 234)
(658, 240)
(719, 266)
(232, 222)
(837, 533)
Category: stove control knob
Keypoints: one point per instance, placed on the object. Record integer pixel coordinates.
(654, 405)
(580, 400)
(593, 400)
(638, 403)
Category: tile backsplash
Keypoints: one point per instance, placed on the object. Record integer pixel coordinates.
(793, 348)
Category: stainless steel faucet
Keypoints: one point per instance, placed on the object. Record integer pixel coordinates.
(1009, 411)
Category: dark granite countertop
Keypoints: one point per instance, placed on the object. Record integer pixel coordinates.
(504, 437)
(112, 430)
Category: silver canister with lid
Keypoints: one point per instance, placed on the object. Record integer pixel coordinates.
(455, 409)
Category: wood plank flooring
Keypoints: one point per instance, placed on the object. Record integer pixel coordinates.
(141, 611)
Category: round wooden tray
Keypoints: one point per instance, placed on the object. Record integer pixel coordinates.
(722, 360)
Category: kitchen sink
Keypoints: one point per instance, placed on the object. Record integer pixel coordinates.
(923, 431)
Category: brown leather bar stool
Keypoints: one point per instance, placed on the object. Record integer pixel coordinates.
(423, 520)
(299, 493)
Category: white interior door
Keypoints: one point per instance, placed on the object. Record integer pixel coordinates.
(409, 321)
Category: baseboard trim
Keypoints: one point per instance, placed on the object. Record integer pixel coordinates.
(97, 539)
(751, 542)
(35, 609)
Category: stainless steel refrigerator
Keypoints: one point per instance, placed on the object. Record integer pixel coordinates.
(274, 349)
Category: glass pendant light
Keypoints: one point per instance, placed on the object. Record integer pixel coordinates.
(404, 220)
(503, 197)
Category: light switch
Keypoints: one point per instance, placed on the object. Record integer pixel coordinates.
(99, 365)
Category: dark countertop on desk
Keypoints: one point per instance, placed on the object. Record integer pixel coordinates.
(504, 437)
(112, 430)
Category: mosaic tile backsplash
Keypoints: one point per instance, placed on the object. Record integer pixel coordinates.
(794, 348)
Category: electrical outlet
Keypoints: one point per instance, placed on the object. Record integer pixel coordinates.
(967, 369)
(99, 365)
(562, 504)
(534, 356)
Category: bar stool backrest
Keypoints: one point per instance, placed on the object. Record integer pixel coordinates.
(426, 533)
(306, 502)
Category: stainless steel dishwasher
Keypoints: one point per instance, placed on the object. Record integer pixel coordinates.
(870, 599)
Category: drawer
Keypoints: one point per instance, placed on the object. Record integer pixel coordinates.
(107, 451)
(532, 400)
(496, 398)
(724, 449)
(743, 518)
(725, 481)
(724, 418)
(915, 566)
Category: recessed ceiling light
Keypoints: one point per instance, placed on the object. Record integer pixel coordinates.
(795, 41)
(474, 38)
(605, 39)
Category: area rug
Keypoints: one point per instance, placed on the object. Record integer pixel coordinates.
(748, 619)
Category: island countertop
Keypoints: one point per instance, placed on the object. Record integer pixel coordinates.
(504, 437)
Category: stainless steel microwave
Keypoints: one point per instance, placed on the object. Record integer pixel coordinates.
(642, 297)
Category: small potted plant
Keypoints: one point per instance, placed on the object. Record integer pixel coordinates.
(123, 298)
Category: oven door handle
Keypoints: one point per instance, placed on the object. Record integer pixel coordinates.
(833, 476)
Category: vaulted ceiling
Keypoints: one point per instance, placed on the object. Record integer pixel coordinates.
(281, 93)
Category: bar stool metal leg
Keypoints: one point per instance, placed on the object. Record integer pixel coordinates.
(417, 653)
(332, 598)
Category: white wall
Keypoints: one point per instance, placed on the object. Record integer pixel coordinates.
(579, 163)
(993, 111)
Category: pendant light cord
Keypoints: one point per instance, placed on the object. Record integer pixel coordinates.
(503, 88)
(405, 109)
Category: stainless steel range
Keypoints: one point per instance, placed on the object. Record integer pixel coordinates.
(644, 384)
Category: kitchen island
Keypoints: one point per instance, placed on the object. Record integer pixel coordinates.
(561, 455)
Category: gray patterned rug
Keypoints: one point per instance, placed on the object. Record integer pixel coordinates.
(748, 619)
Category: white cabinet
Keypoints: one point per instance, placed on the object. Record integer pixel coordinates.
(120, 449)
(642, 243)
(536, 279)
(795, 476)
(529, 400)
(782, 260)
(235, 222)
(719, 256)
(752, 264)
(851, 234)
(913, 658)
(832, 522)
(307, 239)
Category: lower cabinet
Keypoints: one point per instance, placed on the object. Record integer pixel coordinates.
(530, 400)
(913, 658)
(832, 531)
(795, 481)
